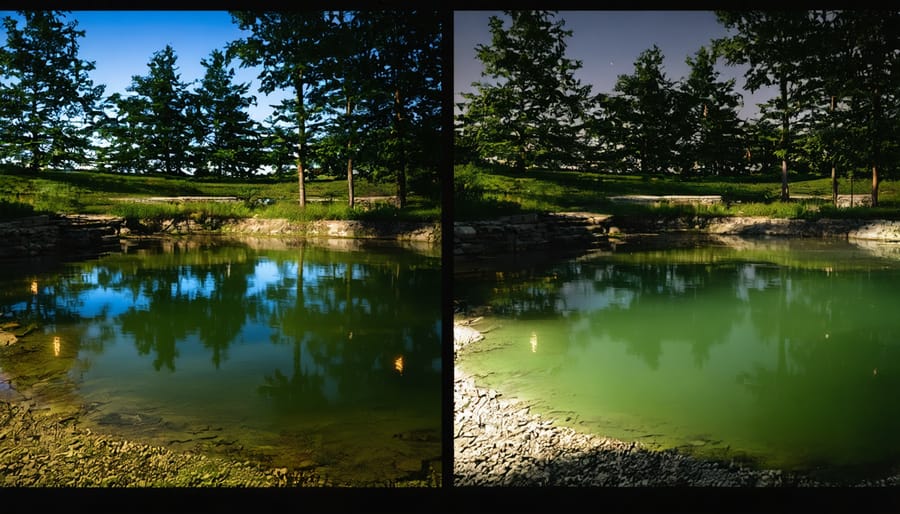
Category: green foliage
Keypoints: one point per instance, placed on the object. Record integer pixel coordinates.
(648, 108)
(529, 114)
(47, 101)
(152, 130)
(403, 106)
(288, 49)
(834, 74)
(227, 140)
(710, 131)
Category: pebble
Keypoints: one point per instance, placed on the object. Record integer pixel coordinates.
(80, 458)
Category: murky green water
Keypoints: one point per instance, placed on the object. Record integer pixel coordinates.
(784, 353)
(302, 356)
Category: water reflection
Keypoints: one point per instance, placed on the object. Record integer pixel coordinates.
(242, 335)
(781, 351)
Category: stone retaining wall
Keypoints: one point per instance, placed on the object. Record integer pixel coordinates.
(876, 230)
(397, 231)
(527, 232)
(86, 235)
(482, 240)
(70, 235)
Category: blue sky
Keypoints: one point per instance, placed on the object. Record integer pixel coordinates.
(607, 43)
(121, 43)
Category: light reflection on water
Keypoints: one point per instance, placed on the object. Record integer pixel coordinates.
(784, 353)
(259, 348)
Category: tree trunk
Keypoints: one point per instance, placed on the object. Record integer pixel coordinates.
(301, 150)
(35, 165)
(785, 195)
(349, 160)
(851, 190)
(834, 183)
(785, 127)
(401, 168)
(875, 185)
(875, 141)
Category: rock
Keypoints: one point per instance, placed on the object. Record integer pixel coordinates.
(7, 338)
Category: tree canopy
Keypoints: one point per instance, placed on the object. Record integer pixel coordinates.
(531, 111)
(834, 74)
(48, 103)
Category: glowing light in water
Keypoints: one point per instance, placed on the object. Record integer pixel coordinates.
(533, 342)
(398, 364)
(34, 287)
(56, 346)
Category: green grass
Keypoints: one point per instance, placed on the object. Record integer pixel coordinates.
(79, 192)
(195, 210)
(482, 193)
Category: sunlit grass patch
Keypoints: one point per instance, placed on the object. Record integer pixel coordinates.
(198, 211)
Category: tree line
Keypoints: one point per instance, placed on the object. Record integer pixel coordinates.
(365, 100)
(836, 109)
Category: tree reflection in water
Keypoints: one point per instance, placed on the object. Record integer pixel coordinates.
(792, 350)
(347, 316)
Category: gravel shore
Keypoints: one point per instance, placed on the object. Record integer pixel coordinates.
(500, 442)
(43, 449)
(39, 449)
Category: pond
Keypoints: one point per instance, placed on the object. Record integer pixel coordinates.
(776, 353)
(287, 353)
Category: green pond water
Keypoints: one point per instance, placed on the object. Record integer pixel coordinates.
(778, 353)
(298, 355)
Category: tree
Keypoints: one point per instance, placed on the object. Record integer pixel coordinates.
(402, 110)
(647, 111)
(156, 116)
(288, 48)
(872, 72)
(349, 72)
(224, 131)
(47, 101)
(122, 149)
(278, 149)
(774, 44)
(713, 129)
(532, 111)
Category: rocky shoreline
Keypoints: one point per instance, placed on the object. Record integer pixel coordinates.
(88, 236)
(498, 441)
(39, 448)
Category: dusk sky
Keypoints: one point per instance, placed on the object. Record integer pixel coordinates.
(121, 43)
(607, 43)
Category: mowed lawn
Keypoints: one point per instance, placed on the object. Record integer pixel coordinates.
(82, 192)
(502, 192)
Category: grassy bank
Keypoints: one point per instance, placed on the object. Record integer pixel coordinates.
(78, 192)
(481, 193)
